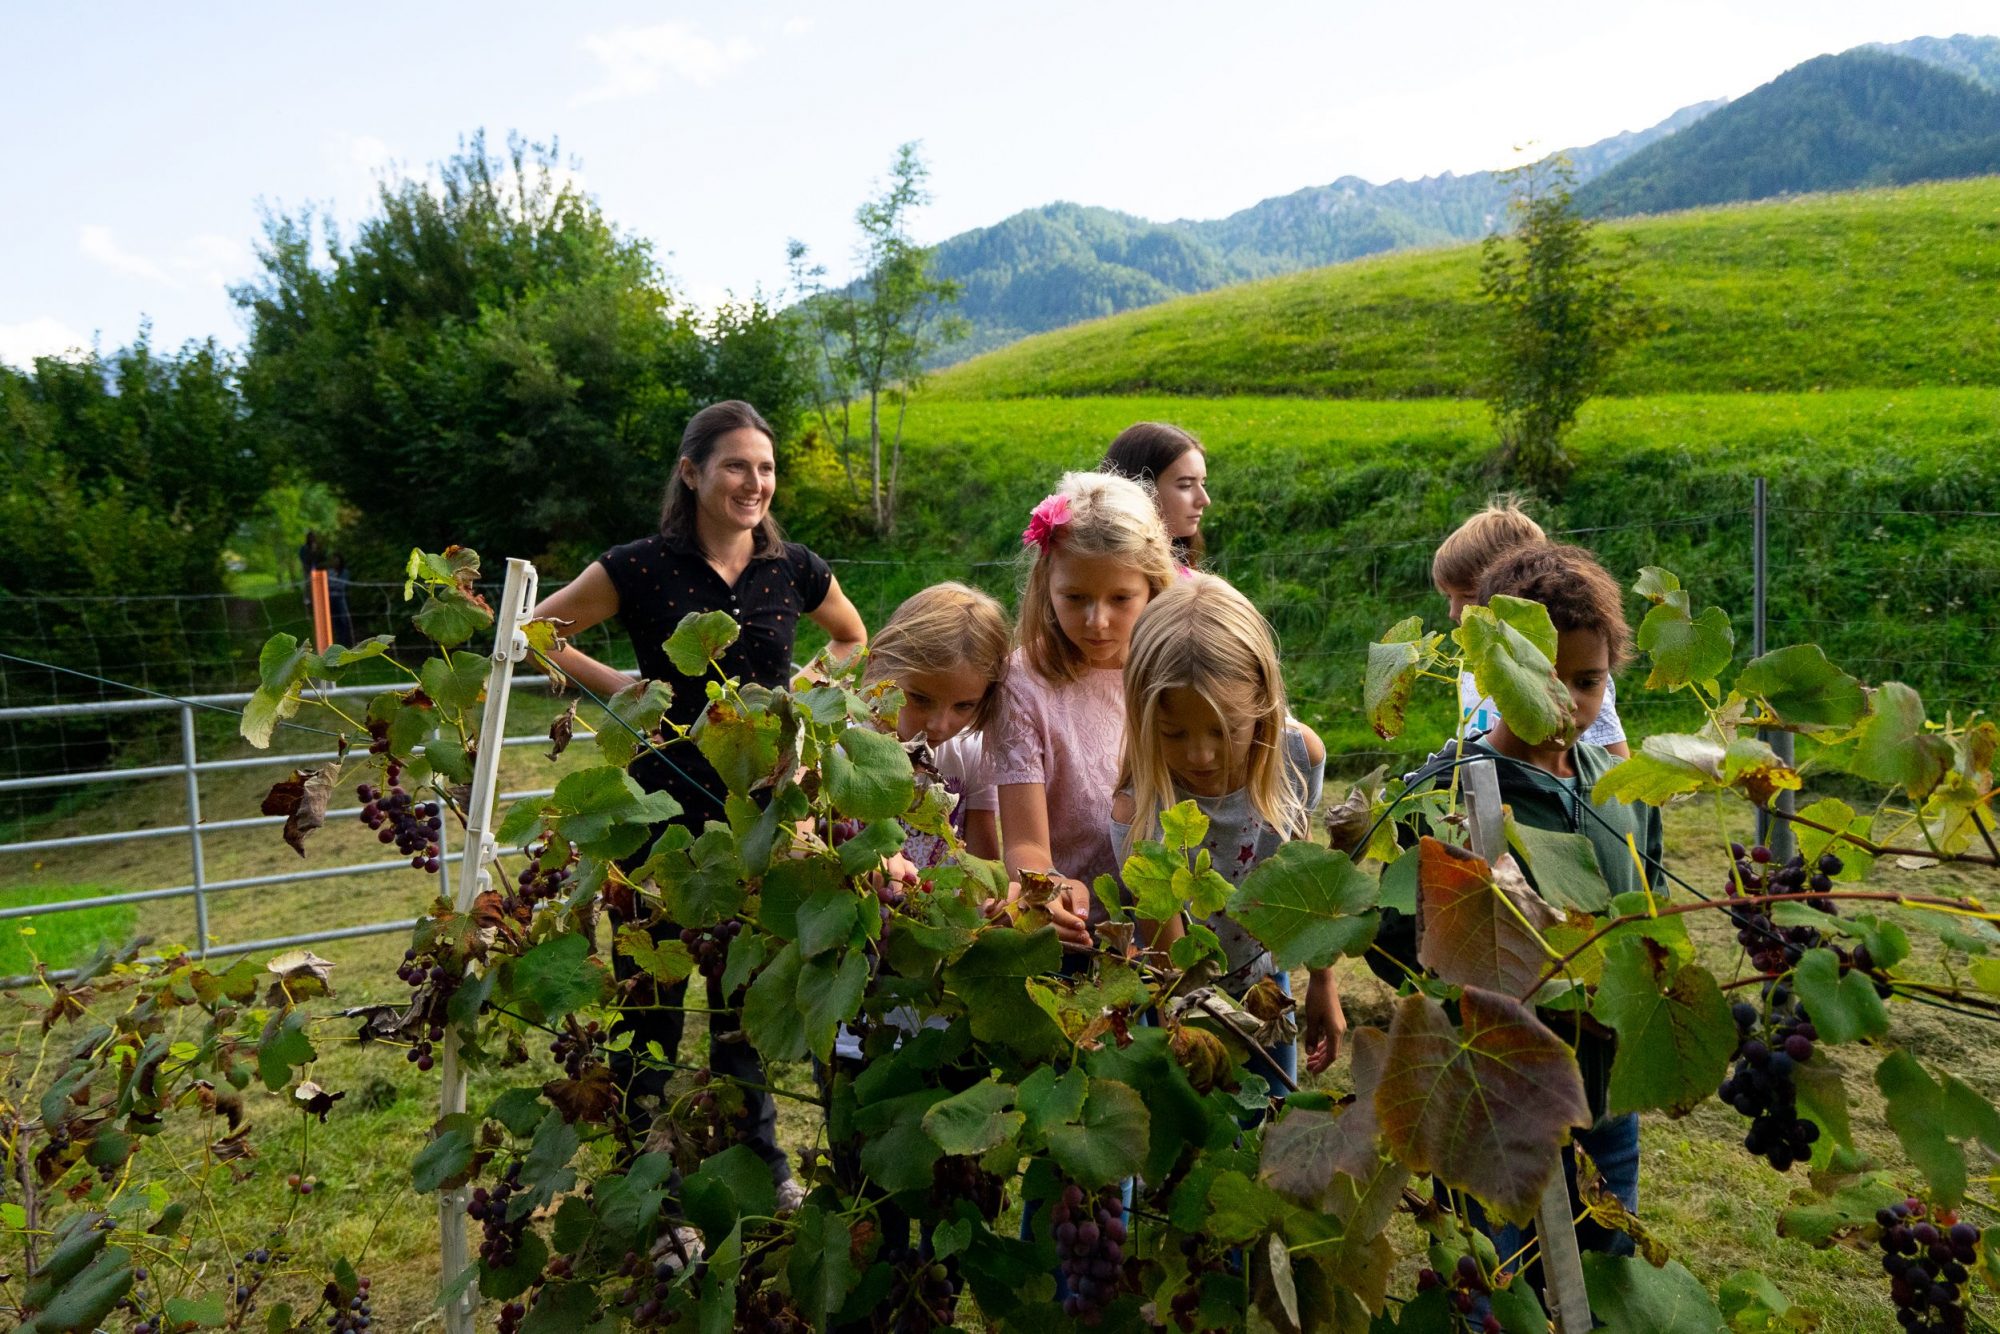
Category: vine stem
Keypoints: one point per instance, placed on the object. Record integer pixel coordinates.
(1875, 849)
(1746, 901)
(1202, 1003)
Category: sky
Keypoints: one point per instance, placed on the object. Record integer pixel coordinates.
(151, 140)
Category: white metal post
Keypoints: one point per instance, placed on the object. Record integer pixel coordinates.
(188, 762)
(510, 646)
(1562, 1263)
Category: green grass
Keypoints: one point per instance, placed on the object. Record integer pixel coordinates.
(59, 939)
(1886, 288)
(1326, 514)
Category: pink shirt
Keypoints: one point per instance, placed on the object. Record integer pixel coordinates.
(1069, 738)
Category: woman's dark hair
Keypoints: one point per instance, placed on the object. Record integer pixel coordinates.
(697, 444)
(1143, 451)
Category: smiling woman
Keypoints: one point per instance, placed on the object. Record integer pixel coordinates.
(718, 549)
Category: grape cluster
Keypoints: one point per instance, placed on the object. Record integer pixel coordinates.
(536, 883)
(355, 1316)
(1090, 1239)
(771, 1312)
(575, 1045)
(957, 1177)
(710, 946)
(715, 1126)
(922, 1295)
(489, 1210)
(413, 826)
(1773, 948)
(434, 981)
(652, 1285)
(1761, 1084)
(1926, 1259)
(1469, 1290)
(1184, 1309)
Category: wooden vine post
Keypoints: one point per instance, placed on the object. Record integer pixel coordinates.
(1562, 1263)
(510, 646)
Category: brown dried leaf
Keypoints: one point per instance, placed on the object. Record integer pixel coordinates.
(301, 973)
(309, 811)
(233, 1146)
(316, 1100)
(588, 1097)
(561, 730)
(1470, 937)
(1116, 937)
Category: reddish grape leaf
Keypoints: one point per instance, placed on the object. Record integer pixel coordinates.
(1484, 1107)
(588, 1097)
(1471, 937)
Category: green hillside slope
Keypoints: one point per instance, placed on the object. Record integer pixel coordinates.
(1885, 288)
(1327, 513)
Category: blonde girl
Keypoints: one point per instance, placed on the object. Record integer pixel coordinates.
(946, 650)
(1205, 721)
(1097, 554)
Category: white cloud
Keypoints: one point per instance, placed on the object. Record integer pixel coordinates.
(21, 343)
(98, 243)
(634, 60)
(798, 26)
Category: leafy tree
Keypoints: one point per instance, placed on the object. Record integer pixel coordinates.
(873, 338)
(487, 353)
(1563, 309)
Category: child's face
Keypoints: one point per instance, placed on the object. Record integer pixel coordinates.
(1098, 599)
(1183, 492)
(1459, 598)
(1208, 754)
(1583, 664)
(939, 705)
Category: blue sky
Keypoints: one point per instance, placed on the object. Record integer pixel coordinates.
(147, 137)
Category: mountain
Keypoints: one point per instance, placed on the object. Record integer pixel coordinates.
(1974, 58)
(1050, 267)
(1859, 118)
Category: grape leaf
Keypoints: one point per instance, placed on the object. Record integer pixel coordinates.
(1564, 867)
(821, 1269)
(771, 1016)
(1675, 1034)
(698, 639)
(637, 708)
(1844, 1009)
(1835, 814)
(556, 977)
(1046, 1099)
(727, 1186)
(868, 775)
(1308, 905)
(1393, 664)
(1109, 1142)
(742, 745)
(975, 1120)
(1484, 1107)
(1472, 937)
(829, 994)
(1891, 745)
(449, 617)
(1631, 1297)
(447, 1160)
(1803, 688)
(991, 980)
(1510, 647)
(1752, 1304)
(1685, 647)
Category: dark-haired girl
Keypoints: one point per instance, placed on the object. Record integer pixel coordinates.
(718, 549)
(1175, 465)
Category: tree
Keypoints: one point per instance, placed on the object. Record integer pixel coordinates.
(491, 361)
(1563, 309)
(872, 338)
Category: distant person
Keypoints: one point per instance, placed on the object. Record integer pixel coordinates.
(1461, 562)
(717, 549)
(336, 600)
(311, 556)
(1175, 465)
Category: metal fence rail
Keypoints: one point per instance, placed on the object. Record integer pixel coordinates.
(191, 766)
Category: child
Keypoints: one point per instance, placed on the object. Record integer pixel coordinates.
(1548, 786)
(946, 650)
(1205, 721)
(1456, 570)
(1098, 554)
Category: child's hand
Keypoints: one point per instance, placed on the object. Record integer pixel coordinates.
(1069, 912)
(1324, 1022)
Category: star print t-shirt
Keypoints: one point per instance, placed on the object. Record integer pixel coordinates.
(1238, 838)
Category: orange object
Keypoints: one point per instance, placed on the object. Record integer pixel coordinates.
(322, 612)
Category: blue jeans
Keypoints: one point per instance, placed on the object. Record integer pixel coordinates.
(1613, 1146)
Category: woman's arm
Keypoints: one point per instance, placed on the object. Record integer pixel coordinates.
(1024, 819)
(588, 600)
(982, 834)
(836, 615)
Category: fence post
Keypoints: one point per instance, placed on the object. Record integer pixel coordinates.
(188, 759)
(1773, 833)
(510, 645)
(1562, 1262)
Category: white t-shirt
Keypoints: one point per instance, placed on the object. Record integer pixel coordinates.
(1481, 713)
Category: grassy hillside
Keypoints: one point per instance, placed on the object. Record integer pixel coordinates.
(1884, 288)
(1326, 514)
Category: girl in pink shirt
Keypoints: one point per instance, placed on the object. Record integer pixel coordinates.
(1100, 553)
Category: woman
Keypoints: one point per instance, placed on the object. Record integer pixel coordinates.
(1174, 463)
(718, 549)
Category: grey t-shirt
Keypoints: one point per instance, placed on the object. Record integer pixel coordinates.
(1238, 838)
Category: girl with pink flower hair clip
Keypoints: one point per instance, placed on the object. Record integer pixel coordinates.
(1097, 553)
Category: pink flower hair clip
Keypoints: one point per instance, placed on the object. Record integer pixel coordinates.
(1043, 520)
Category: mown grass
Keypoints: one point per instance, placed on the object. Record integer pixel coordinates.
(1879, 287)
(63, 938)
(1326, 514)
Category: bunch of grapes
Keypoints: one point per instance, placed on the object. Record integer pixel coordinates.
(355, 1316)
(413, 826)
(1469, 1290)
(1761, 1086)
(1090, 1239)
(958, 1177)
(1926, 1259)
(1185, 1307)
(771, 1312)
(434, 981)
(715, 1126)
(489, 1209)
(575, 1046)
(536, 884)
(653, 1285)
(710, 946)
(922, 1295)
(1772, 948)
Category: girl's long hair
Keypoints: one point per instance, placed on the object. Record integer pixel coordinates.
(945, 626)
(1145, 450)
(698, 440)
(1109, 516)
(1203, 635)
